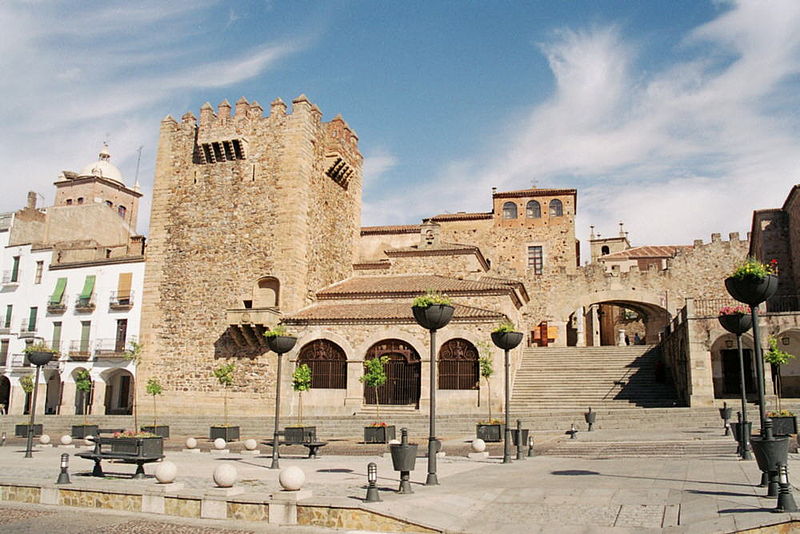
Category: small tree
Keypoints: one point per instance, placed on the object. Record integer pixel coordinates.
(776, 357)
(224, 375)
(83, 383)
(487, 370)
(301, 381)
(154, 388)
(374, 377)
(26, 382)
(134, 354)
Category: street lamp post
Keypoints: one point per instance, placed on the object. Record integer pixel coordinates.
(280, 345)
(507, 340)
(37, 358)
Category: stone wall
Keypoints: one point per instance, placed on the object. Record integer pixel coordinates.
(216, 228)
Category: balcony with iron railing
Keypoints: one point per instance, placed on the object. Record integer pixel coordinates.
(120, 300)
(57, 307)
(80, 350)
(5, 329)
(109, 349)
(27, 330)
(20, 361)
(84, 304)
(11, 278)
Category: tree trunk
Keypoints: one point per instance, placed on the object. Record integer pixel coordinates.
(377, 405)
(154, 413)
(489, 399)
(225, 405)
(300, 411)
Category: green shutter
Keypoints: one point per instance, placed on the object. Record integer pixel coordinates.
(58, 293)
(32, 320)
(88, 287)
(15, 269)
(9, 310)
(56, 344)
(86, 327)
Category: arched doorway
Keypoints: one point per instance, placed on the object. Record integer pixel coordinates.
(404, 374)
(789, 380)
(119, 392)
(5, 394)
(458, 365)
(328, 364)
(725, 369)
(52, 401)
(616, 322)
(83, 399)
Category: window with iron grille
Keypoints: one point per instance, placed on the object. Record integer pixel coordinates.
(535, 259)
(556, 208)
(458, 365)
(328, 364)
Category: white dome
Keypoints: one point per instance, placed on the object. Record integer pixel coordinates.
(103, 168)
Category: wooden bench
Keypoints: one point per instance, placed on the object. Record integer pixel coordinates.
(98, 455)
(312, 446)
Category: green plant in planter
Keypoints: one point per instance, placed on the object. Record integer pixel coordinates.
(374, 377)
(430, 298)
(83, 383)
(504, 327)
(776, 357)
(134, 354)
(301, 381)
(154, 388)
(279, 330)
(224, 375)
(40, 347)
(753, 269)
(486, 370)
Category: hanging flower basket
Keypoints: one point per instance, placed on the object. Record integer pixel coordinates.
(736, 320)
(434, 316)
(750, 289)
(281, 344)
(506, 340)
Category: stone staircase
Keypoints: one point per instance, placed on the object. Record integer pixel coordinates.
(600, 377)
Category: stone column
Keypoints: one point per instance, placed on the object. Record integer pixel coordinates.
(580, 327)
(561, 336)
(68, 399)
(17, 399)
(98, 406)
(354, 397)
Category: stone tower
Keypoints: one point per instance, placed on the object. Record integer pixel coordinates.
(251, 214)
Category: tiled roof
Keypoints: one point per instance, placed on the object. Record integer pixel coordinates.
(535, 193)
(372, 264)
(462, 216)
(635, 253)
(379, 312)
(407, 286)
(399, 229)
(441, 249)
(517, 284)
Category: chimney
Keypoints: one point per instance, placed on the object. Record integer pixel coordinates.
(31, 200)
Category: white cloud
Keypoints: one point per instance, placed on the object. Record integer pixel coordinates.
(376, 163)
(677, 152)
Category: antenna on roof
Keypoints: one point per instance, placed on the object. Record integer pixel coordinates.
(138, 162)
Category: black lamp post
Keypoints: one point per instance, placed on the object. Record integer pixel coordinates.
(507, 341)
(738, 324)
(372, 479)
(280, 345)
(432, 318)
(37, 358)
(63, 476)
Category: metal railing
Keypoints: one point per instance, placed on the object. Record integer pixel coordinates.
(84, 303)
(117, 302)
(21, 360)
(57, 307)
(27, 329)
(109, 348)
(80, 350)
(9, 277)
(777, 304)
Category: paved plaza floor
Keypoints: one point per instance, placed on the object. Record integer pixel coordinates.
(594, 490)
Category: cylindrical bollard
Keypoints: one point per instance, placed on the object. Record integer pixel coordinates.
(520, 444)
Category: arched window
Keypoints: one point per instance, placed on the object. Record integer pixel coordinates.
(403, 372)
(509, 210)
(533, 210)
(267, 293)
(328, 364)
(458, 365)
(121, 210)
(604, 250)
(109, 204)
(556, 209)
(69, 202)
(80, 200)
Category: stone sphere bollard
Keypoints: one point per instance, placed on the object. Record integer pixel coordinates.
(250, 444)
(66, 439)
(166, 472)
(44, 439)
(225, 475)
(292, 478)
(219, 444)
(478, 445)
(88, 441)
(191, 443)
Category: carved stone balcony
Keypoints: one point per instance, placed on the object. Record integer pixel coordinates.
(247, 325)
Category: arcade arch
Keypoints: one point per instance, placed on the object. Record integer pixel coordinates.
(616, 320)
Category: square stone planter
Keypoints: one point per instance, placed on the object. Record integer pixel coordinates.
(300, 434)
(490, 433)
(783, 426)
(139, 447)
(228, 433)
(379, 434)
(21, 431)
(81, 431)
(161, 431)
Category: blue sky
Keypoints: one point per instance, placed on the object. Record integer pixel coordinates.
(678, 118)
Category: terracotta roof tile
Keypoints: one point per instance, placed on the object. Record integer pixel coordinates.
(535, 193)
(408, 286)
(659, 251)
(450, 247)
(380, 312)
(461, 216)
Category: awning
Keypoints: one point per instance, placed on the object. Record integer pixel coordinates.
(88, 287)
(124, 286)
(58, 293)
